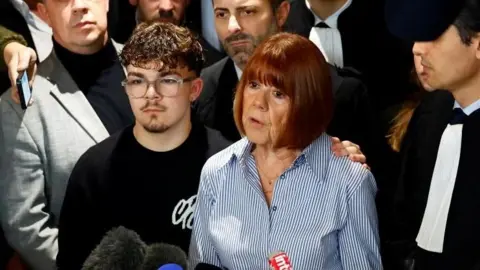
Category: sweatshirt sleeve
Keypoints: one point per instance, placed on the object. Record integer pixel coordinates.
(6, 37)
(81, 226)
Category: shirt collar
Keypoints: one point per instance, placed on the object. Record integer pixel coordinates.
(238, 71)
(470, 108)
(241, 149)
(332, 20)
(317, 154)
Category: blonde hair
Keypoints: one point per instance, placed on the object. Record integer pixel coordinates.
(400, 123)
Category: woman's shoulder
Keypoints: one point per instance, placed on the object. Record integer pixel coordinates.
(349, 174)
(340, 171)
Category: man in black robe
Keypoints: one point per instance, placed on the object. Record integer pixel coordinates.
(438, 196)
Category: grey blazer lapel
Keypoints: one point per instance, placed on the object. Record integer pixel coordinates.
(72, 99)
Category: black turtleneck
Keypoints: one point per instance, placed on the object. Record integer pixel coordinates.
(99, 76)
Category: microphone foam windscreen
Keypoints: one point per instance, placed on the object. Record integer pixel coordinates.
(120, 249)
(160, 254)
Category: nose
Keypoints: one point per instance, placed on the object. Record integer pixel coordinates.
(152, 92)
(419, 48)
(79, 6)
(166, 5)
(260, 100)
(233, 25)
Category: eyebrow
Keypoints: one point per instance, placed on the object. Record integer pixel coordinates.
(134, 73)
(162, 74)
(220, 9)
(241, 8)
(169, 72)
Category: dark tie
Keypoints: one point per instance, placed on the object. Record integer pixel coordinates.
(458, 116)
(322, 25)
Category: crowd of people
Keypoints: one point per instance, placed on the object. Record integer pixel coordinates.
(235, 129)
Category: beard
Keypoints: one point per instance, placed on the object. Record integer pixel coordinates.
(154, 125)
(241, 54)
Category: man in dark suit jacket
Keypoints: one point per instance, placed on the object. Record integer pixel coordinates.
(437, 200)
(353, 118)
(365, 44)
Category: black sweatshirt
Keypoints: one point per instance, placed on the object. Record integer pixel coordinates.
(119, 182)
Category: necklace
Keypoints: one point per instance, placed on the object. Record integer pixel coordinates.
(264, 176)
(268, 180)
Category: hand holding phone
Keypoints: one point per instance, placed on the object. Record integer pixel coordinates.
(18, 59)
(24, 90)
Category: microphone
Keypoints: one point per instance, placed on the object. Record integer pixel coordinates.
(206, 266)
(161, 255)
(120, 249)
(171, 266)
(279, 261)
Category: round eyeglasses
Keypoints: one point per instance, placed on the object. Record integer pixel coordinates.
(168, 86)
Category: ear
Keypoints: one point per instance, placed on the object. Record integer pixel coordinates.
(476, 42)
(282, 13)
(133, 2)
(43, 14)
(107, 5)
(196, 90)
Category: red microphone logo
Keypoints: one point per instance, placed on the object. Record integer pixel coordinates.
(280, 261)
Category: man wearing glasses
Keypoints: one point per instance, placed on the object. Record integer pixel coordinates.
(145, 177)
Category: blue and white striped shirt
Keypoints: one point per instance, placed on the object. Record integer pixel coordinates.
(322, 214)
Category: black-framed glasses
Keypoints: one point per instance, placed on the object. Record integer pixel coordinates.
(167, 86)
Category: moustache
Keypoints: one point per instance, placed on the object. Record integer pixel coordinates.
(237, 37)
(149, 105)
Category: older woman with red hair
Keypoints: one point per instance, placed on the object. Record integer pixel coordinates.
(281, 188)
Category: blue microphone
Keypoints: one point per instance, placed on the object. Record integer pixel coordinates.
(171, 266)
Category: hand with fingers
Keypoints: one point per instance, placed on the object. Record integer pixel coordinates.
(19, 58)
(352, 150)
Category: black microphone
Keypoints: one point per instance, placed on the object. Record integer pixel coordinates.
(206, 266)
(161, 254)
(120, 249)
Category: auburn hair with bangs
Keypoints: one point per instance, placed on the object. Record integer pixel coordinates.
(295, 66)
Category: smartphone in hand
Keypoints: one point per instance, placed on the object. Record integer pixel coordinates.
(24, 90)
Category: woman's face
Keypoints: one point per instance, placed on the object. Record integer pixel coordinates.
(265, 113)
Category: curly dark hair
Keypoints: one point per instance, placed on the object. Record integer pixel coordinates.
(163, 45)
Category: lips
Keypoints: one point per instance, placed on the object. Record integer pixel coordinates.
(152, 110)
(255, 121)
(239, 43)
(82, 24)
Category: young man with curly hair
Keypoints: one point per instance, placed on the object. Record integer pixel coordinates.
(146, 176)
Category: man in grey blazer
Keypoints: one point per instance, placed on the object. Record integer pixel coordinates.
(76, 106)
